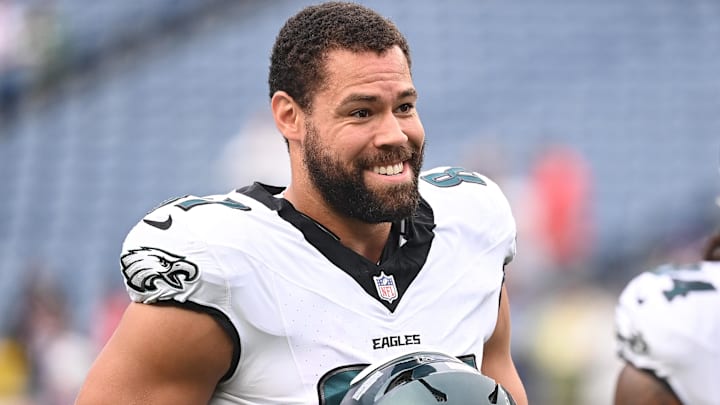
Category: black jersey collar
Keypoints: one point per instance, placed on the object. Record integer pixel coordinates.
(400, 264)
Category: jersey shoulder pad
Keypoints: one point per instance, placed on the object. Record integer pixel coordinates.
(455, 185)
(472, 202)
(658, 307)
(167, 254)
(666, 322)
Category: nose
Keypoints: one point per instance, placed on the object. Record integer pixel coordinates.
(390, 132)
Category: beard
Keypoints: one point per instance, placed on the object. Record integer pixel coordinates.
(344, 188)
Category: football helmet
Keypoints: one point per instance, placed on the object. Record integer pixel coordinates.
(424, 378)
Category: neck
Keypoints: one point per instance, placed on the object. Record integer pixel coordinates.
(367, 240)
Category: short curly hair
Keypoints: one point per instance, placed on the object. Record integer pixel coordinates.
(302, 45)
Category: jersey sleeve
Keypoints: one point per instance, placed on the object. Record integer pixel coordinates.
(477, 204)
(164, 259)
(666, 323)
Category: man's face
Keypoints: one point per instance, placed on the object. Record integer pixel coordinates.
(364, 141)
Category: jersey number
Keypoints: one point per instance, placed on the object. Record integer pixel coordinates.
(683, 287)
(188, 204)
(452, 177)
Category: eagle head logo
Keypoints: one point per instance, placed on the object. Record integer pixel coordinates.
(143, 268)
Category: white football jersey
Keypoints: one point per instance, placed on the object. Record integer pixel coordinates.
(668, 323)
(308, 314)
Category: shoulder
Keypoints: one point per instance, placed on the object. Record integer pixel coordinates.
(471, 204)
(665, 319)
(452, 189)
(680, 287)
(197, 217)
(181, 247)
(452, 184)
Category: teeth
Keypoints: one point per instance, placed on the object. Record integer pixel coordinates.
(389, 170)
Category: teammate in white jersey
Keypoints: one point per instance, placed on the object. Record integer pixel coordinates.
(270, 295)
(668, 333)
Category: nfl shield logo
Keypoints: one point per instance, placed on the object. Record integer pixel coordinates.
(385, 286)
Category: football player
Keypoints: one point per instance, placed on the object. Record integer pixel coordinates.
(668, 331)
(282, 295)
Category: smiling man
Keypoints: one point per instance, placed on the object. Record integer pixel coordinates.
(282, 295)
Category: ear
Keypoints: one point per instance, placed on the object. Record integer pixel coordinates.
(288, 115)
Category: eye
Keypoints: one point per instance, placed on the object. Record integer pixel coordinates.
(360, 113)
(406, 108)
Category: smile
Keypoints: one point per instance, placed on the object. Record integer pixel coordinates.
(389, 170)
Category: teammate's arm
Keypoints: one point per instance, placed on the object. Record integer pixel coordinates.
(637, 387)
(159, 355)
(497, 360)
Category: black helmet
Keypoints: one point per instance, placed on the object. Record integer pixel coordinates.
(425, 378)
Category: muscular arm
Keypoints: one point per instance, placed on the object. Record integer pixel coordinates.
(639, 387)
(497, 360)
(159, 355)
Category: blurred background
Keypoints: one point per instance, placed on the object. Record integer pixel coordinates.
(599, 120)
